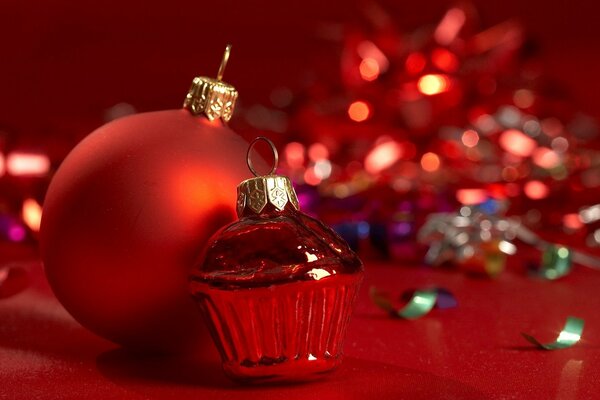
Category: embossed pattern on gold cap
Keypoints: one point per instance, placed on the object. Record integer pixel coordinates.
(272, 191)
(255, 194)
(212, 97)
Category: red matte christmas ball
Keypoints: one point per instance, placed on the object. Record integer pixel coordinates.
(129, 208)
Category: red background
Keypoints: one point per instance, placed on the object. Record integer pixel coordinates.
(64, 62)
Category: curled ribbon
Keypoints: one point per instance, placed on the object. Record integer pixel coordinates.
(569, 335)
(420, 303)
(557, 262)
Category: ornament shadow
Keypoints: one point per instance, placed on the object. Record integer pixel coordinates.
(128, 368)
(533, 349)
(355, 379)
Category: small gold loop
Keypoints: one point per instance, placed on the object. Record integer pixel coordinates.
(273, 149)
(224, 62)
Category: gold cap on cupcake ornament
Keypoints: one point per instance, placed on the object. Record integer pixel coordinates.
(271, 190)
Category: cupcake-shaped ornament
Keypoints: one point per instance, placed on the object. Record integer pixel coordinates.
(276, 287)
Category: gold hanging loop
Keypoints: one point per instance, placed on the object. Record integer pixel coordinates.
(273, 149)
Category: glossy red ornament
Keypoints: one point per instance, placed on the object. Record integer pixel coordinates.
(123, 219)
(276, 287)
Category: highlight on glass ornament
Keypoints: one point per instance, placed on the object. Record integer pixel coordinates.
(277, 286)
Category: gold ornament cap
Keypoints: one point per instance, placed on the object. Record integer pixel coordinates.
(256, 194)
(212, 97)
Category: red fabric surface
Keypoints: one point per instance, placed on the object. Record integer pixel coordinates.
(474, 351)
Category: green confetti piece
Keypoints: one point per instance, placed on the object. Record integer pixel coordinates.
(556, 262)
(570, 335)
(421, 302)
